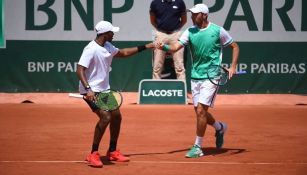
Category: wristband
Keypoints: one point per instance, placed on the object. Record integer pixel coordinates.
(141, 48)
(166, 47)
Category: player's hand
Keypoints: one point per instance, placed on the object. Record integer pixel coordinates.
(90, 96)
(150, 46)
(231, 71)
(159, 45)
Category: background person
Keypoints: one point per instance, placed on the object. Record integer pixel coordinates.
(168, 17)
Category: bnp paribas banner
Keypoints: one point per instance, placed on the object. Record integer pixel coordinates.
(41, 42)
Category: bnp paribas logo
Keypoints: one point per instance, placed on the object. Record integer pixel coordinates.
(2, 38)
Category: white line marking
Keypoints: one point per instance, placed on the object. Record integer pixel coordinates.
(42, 161)
(219, 163)
(161, 162)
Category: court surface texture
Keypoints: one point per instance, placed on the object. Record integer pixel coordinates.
(51, 134)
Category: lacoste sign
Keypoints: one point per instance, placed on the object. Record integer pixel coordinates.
(162, 92)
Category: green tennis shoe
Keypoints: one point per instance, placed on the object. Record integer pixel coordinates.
(219, 134)
(195, 152)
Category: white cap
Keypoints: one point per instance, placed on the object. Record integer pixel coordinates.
(105, 26)
(200, 8)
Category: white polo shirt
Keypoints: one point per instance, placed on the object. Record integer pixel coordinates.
(97, 60)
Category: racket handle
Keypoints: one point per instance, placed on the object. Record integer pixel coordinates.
(75, 95)
(241, 72)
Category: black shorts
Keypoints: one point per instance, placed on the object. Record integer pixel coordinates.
(91, 104)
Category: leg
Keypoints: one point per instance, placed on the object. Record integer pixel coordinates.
(159, 57)
(104, 120)
(113, 154)
(211, 119)
(178, 58)
(203, 94)
(114, 129)
(179, 65)
(203, 118)
(201, 125)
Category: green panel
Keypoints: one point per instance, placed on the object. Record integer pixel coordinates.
(162, 92)
(272, 76)
(272, 67)
(16, 77)
(128, 72)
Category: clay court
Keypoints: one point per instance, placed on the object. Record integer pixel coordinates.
(267, 135)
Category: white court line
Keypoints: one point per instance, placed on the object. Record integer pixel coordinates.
(223, 163)
(42, 161)
(163, 162)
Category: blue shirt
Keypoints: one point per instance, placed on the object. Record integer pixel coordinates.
(168, 14)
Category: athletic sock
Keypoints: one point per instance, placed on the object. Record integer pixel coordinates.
(95, 147)
(112, 146)
(199, 141)
(217, 125)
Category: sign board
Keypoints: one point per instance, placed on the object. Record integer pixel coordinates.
(162, 92)
(41, 42)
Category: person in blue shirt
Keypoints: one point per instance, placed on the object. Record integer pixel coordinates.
(168, 17)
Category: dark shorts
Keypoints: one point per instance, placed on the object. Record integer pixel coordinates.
(91, 104)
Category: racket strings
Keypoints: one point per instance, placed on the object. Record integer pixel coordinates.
(217, 75)
(223, 77)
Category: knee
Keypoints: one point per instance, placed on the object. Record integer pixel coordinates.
(105, 119)
(201, 112)
(157, 67)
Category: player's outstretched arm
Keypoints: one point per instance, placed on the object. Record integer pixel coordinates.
(133, 50)
(174, 47)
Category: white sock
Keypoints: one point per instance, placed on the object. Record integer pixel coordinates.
(199, 141)
(217, 125)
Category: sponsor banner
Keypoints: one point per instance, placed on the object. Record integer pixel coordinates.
(74, 20)
(162, 92)
(41, 42)
(49, 66)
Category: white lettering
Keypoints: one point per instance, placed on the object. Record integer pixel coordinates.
(163, 93)
(254, 67)
(40, 66)
(66, 67)
(31, 67)
(302, 68)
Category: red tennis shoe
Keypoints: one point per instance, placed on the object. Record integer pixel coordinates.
(94, 159)
(117, 156)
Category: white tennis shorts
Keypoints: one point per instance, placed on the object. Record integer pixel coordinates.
(204, 92)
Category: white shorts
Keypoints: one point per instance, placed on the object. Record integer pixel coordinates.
(204, 92)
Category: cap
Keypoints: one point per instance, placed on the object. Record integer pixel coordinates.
(200, 8)
(105, 26)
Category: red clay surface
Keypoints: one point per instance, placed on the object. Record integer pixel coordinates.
(50, 139)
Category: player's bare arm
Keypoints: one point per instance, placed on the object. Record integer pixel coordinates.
(175, 46)
(133, 50)
(81, 75)
(235, 58)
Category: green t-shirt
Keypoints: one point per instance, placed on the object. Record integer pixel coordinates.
(206, 46)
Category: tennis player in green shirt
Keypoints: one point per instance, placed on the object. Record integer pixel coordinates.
(206, 41)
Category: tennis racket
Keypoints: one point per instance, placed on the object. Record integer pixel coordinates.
(108, 100)
(219, 75)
